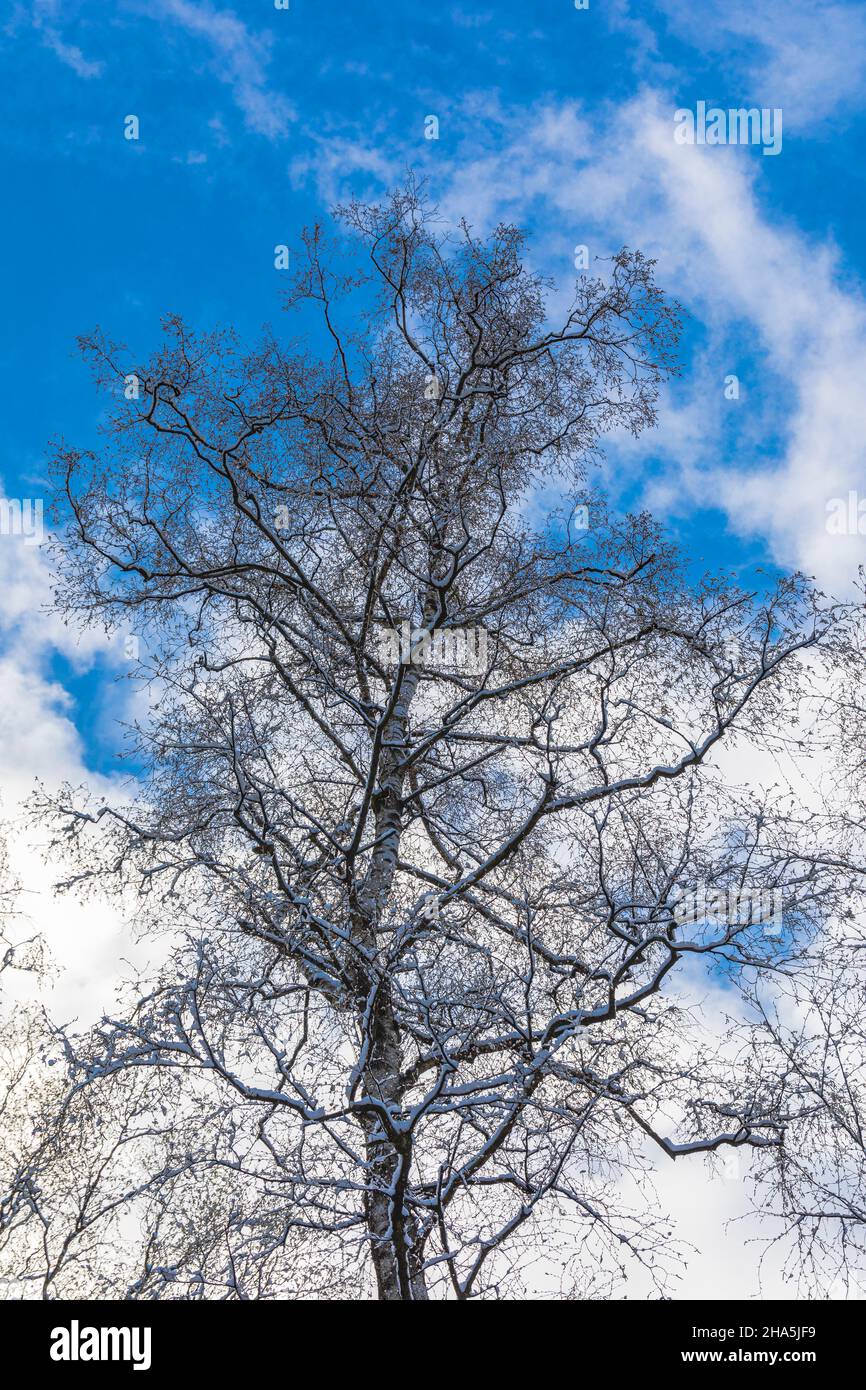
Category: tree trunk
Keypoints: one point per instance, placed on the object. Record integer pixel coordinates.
(396, 1252)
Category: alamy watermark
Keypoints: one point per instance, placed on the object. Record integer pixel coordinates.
(445, 648)
(846, 516)
(22, 518)
(77, 1343)
(739, 125)
(731, 907)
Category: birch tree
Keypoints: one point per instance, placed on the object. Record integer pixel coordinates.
(423, 780)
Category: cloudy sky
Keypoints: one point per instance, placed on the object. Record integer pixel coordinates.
(253, 121)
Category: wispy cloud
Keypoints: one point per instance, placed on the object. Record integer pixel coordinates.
(45, 17)
(240, 59)
(810, 58)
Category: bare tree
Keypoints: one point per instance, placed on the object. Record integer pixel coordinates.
(26, 1090)
(424, 779)
(807, 1053)
(807, 1048)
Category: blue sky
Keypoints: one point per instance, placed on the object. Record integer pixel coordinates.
(254, 121)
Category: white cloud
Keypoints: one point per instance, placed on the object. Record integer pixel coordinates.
(88, 941)
(332, 156)
(777, 306)
(241, 60)
(71, 54)
(710, 1200)
(710, 1210)
(810, 59)
(45, 17)
(764, 289)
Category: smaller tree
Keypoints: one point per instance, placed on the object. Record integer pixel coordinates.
(808, 1046)
(808, 1055)
(27, 1091)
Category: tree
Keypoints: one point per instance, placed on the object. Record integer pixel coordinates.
(425, 780)
(807, 1050)
(807, 1047)
(25, 1089)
